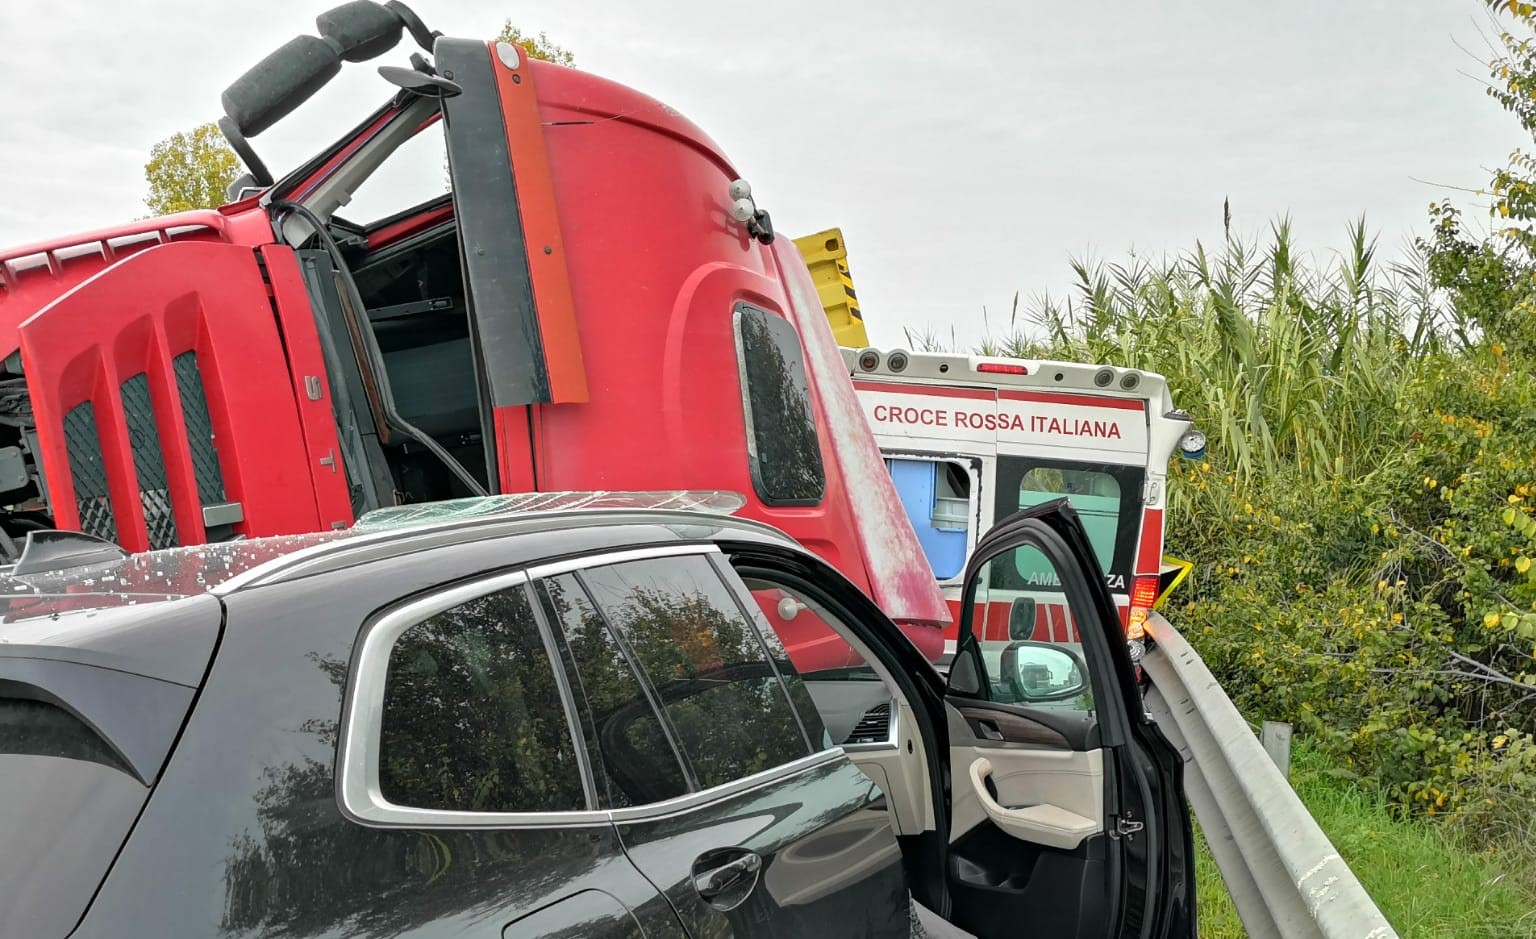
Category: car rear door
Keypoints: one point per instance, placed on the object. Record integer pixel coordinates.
(725, 789)
(1068, 809)
(91, 702)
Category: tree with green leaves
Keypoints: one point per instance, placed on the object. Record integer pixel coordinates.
(1490, 279)
(190, 170)
(193, 170)
(538, 47)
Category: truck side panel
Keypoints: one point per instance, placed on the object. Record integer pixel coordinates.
(163, 405)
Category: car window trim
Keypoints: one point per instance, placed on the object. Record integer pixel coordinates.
(567, 695)
(785, 580)
(733, 585)
(647, 689)
(607, 558)
(652, 811)
(358, 789)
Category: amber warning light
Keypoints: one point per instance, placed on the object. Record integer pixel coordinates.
(1143, 596)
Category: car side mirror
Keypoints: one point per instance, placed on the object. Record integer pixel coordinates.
(1037, 672)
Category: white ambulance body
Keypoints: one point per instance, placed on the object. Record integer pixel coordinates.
(970, 440)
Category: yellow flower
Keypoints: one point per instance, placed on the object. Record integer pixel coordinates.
(1498, 349)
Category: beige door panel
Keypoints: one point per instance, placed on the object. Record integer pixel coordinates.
(901, 775)
(1069, 782)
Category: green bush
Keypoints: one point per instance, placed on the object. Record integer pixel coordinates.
(1362, 523)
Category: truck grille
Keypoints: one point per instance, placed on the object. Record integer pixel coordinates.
(148, 462)
(89, 473)
(194, 409)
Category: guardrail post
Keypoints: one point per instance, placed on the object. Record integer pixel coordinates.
(1276, 737)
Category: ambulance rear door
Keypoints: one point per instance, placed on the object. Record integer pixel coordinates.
(1091, 449)
(940, 449)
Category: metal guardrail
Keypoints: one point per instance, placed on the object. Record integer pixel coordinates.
(1285, 877)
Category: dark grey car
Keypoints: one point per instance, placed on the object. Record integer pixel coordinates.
(555, 724)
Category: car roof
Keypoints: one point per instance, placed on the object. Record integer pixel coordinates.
(229, 567)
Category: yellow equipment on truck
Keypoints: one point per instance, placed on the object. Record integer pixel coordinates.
(827, 257)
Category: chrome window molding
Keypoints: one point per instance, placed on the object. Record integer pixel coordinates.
(693, 800)
(357, 775)
(586, 562)
(357, 772)
(746, 397)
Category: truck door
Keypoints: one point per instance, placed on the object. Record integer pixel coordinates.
(165, 406)
(522, 320)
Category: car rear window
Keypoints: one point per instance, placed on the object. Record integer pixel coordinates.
(68, 802)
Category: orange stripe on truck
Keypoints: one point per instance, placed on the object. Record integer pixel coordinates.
(547, 266)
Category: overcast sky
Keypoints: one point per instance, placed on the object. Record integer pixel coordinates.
(966, 149)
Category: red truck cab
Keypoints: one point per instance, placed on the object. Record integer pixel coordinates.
(595, 303)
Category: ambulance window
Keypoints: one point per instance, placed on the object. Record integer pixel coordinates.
(937, 497)
(1107, 499)
(782, 446)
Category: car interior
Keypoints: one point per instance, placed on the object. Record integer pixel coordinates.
(1027, 786)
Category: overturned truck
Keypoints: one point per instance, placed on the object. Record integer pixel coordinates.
(590, 300)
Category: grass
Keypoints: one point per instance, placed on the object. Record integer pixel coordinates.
(1427, 884)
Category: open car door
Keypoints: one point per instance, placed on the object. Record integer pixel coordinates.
(1068, 816)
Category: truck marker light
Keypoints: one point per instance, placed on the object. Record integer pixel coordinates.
(897, 361)
(869, 360)
(1104, 377)
(1002, 368)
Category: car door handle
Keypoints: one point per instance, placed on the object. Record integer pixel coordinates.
(988, 730)
(718, 880)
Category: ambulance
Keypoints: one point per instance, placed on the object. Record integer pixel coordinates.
(971, 440)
